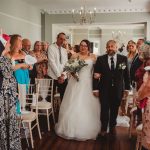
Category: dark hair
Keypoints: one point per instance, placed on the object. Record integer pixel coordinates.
(87, 43)
(61, 33)
(141, 40)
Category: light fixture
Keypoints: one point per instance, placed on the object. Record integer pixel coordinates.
(84, 16)
(118, 35)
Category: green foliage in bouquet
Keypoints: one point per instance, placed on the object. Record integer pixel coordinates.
(73, 66)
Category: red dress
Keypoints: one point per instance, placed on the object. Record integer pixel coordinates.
(139, 76)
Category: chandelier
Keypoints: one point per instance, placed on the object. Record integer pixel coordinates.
(118, 35)
(84, 15)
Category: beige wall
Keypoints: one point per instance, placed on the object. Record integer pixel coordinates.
(100, 18)
(18, 17)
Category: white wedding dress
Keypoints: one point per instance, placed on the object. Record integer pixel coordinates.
(79, 115)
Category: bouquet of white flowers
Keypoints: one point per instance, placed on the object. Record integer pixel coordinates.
(73, 66)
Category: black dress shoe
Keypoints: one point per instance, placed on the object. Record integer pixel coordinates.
(98, 137)
(103, 133)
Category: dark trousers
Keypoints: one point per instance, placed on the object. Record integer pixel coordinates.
(109, 110)
(61, 87)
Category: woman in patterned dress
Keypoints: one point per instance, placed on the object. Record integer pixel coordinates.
(9, 129)
(41, 65)
(144, 93)
(144, 97)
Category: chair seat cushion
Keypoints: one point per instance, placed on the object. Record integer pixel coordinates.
(43, 105)
(28, 117)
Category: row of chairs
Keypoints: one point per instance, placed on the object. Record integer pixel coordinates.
(36, 99)
(130, 105)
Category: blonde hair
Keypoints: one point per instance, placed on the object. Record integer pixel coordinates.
(13, 41)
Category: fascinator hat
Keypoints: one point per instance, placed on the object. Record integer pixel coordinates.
(3, 40)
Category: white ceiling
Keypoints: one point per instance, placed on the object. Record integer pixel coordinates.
(102, 6)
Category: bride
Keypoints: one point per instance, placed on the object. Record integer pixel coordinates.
(79, 115)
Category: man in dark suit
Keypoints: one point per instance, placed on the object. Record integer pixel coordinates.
(112, 69)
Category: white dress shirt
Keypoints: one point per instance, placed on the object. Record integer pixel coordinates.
(55, 67)
(114, 58)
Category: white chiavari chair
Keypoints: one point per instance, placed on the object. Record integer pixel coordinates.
(46, 92)
(31, 93)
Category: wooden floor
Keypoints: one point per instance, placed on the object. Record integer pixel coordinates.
(50, 141)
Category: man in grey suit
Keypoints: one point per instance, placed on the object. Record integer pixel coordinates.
(113, 79)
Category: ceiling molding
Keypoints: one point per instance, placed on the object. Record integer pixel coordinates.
(120, 10)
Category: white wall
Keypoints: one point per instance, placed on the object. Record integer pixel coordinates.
(18, 17)
(103, 18)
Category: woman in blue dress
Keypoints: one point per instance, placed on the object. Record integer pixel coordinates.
(18, 57)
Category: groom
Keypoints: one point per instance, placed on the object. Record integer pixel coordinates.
(110, 82)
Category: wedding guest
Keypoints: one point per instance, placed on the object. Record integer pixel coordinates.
(9, 127)
(45, 47)
(76, 48)
(136, 62)
(144, 102)
(41, 65)
(112, 84)
(79, 115)
(144, 58)
(57, 58)
(18, 57)
(131, 52)
(26, 46)
(69, 49)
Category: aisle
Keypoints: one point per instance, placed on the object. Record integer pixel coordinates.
(50, 141)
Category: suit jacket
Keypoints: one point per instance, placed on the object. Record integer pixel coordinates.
(136, 63)
(55, 68)
(120, 77)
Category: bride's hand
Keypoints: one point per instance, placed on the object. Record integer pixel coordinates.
(96, 93)
(97, 75)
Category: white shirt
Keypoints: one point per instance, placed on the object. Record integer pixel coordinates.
(114, 58)
(55, 68)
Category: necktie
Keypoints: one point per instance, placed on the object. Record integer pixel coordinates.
(60, 54)
(112, 70)
(112, 64)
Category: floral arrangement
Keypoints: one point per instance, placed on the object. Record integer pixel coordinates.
(73, 66)
(122, 66)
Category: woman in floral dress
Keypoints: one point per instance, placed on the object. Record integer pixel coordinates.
(9, 129)
(144, 97)
(41, 65)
